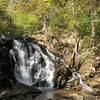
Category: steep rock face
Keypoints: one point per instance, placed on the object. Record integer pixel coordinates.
(61, 77)
(6, 65)
(17, 55)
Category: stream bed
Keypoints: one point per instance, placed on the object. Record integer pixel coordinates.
(21, 92)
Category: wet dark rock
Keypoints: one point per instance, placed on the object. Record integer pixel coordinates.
(61, 77)
(7, 61)
(6, 67)
(20, 92)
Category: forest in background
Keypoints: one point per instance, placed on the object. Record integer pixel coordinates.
(56, 16)
(61, 25)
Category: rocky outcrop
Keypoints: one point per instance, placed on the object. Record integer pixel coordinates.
(6, 63)
(61, 77)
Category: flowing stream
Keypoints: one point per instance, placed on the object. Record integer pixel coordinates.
(33, 65)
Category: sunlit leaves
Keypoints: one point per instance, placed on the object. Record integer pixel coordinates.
(28, 14)
(25, 20)
(3, 4)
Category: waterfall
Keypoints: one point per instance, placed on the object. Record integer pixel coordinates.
(34, 65)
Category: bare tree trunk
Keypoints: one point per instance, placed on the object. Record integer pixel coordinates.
(93, 29)
(11, 2)
(75, 28)
(45, 25)
(75, 50)
(93, 14)
(73, 11)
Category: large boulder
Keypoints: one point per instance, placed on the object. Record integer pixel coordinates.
(6, 63)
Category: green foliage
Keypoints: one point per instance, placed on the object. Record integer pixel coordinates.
(27, 15)
(87, 42)
(98, 30)
(3, 4)
(6, 24)
(25, 21)
(87, 49)
(85, 30)
(58, 24)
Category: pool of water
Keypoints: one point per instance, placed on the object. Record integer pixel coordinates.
(51, 94)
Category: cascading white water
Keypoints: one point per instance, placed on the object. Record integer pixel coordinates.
(35, 65)
(32, 64)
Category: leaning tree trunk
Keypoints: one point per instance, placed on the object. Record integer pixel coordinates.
(75, 50)
(93, 23)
